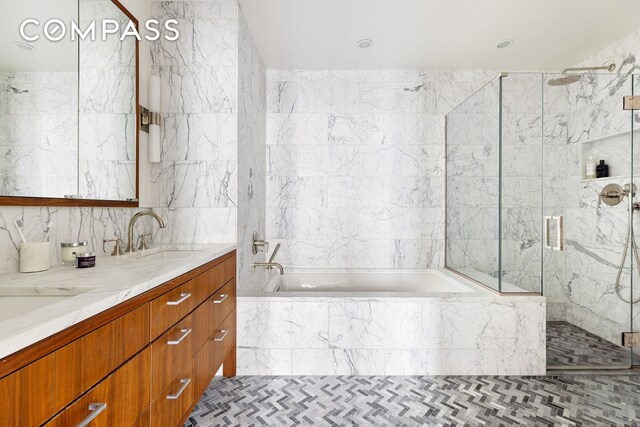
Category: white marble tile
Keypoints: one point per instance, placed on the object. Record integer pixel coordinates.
(394, 337)
(358, 192)
(296, 192)
(414, 253)
(283, 325)
(263, 361)
(215, 42)
(374, 325)
(297, 129)
(191, 89)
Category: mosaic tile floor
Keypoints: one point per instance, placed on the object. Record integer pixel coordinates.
(568, 345)
(603, 400)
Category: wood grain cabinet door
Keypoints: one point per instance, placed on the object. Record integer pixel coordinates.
(26, 396)
(118, 400)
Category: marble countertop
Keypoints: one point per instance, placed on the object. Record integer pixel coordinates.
(51, 301)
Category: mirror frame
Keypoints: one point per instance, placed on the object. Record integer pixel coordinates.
(59, 201)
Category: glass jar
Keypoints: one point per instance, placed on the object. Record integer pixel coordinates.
(69, 251)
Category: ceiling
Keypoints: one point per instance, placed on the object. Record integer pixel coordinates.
(436, 34)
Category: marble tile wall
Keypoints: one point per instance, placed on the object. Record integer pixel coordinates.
(210, 184)
(393, 336)
(195, 187)
(70, 225)
(251, 159)
(355, 165)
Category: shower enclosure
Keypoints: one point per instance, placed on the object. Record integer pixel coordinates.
(525, 215)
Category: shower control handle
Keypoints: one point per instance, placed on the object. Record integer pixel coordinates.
(612, 195)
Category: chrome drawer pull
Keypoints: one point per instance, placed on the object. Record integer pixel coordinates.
(222, 298)
(183, 298)
(95, 409)
(185, 332)
(185, 382)
(221, 336)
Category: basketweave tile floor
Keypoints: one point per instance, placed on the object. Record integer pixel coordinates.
(602, 400)
(571, 346)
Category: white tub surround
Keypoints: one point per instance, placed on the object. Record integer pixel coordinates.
(111, 282)
(469, 331)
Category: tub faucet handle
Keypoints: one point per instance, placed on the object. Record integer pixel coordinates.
(259, 244)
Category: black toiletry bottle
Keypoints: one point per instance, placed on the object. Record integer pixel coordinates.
(602, 170)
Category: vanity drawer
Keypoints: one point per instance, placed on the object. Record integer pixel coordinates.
(167, 309)
(169, 354)
(223, 340)
(171, 407)
(118, 400)
(222, 303)
(82, 363)
(26, 396)
(39, 390)
(207, 283)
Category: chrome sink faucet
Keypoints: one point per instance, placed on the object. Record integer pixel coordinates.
(132, 222)
(271, 263)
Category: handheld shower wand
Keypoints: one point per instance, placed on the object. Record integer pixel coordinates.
(612, 195)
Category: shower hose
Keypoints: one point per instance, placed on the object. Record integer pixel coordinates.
(634, 247)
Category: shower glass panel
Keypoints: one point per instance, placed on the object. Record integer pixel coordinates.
(583, 122)
(525, 213)
(634, 295)
(473, 187)
(521, 161)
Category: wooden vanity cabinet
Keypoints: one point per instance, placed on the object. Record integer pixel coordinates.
(145, 362)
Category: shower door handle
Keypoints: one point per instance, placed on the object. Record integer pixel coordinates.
(559, 246)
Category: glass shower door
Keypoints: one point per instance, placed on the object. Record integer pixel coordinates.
(586, 218)
(634, 294)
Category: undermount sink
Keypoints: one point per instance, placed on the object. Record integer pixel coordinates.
(15, 301)
(167, 254)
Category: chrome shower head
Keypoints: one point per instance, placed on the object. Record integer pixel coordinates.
(564, 80)
(567, 79)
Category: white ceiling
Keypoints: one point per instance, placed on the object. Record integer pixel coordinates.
(436, 34)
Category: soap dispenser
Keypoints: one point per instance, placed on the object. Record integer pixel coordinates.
(590, 168)
(602, 170)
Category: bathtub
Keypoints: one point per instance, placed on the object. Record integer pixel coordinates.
(401, 322)
(420, 282)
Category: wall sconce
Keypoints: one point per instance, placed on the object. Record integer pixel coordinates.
(150, 119)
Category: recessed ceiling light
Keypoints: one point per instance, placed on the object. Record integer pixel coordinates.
(365, 43)
(25, 46)
(504, 43)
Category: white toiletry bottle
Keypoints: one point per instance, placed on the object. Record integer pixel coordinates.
(590, 168)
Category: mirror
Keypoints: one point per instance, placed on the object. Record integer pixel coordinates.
(68, 108)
